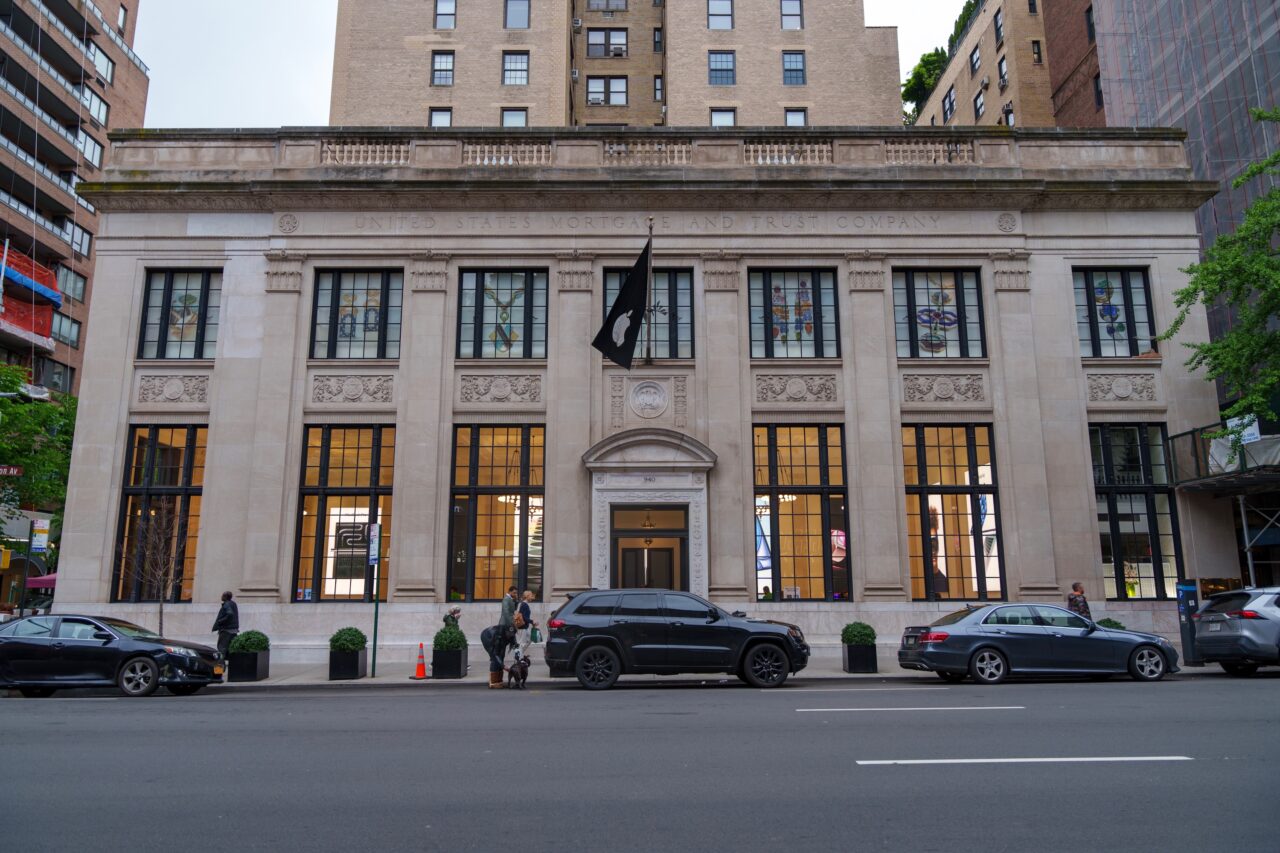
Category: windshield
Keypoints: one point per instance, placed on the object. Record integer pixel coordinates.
(130, 630)
(952, 618)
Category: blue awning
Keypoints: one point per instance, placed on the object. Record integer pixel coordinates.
(31, 284)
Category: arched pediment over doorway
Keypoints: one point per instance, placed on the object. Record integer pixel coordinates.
(651, 449)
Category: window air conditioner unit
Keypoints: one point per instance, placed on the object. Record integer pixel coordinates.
(608, 16)
(577, 24)
(1004, 83)
(596, 100)
(573, 75)
(617, 50)
(986, 82)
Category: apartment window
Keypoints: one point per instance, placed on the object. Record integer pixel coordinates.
(516, 16)
(607, 5)
(89, 147)
(719, 14)
(1088, 25)
(159, 522)
(1137, 514)
(347, 478)
(97, 107)
(1037, 56)
(515, 117)
(796, 117)
(1113, 313)
(54, 375)
(180, 314)
(102, 63)
(441, 117)
(672, 303)
(66, 330)
(357, 314)
(515, 68)
(1002, 68)
(953, 513)
(979, 105)
(801, 515)
(793, 314)
(949, 105)
(502, 314)
(1033, 7)
(657, 40)
(938, 314)
(722, 68)
(607, 42)
(792, 15)
(975, 60)
(446, 14)
(999, 24)
(71, 283)
(1097, 91)
(793, 68)
(657, 87)
(495, 522)
(723, 117)
(122, 18)
(607, 91)
(442, 68)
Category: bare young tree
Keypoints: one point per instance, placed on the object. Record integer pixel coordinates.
(159, 555)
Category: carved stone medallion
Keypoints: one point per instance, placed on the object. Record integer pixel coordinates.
(649, 399)
(173, 389)
(288, 223)
(943, 388)
(500, 389)
(352, 389)
(1006, 222)
(1122, 387)
(785, 388)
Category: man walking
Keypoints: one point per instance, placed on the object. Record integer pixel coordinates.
(1077, 603)
(227, 624)
(504, 633)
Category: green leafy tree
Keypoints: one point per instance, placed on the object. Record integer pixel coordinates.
(36, 436)
(921, 82)
(970, 6)
(1242, 271)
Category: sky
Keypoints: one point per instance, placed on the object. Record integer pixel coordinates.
(208, 69)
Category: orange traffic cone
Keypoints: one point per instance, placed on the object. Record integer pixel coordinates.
(421, 674)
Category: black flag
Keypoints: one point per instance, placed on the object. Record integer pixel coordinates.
(617, 337)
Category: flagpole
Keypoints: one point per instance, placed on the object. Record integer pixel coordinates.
(648, 300)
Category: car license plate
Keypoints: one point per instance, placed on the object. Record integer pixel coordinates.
(911, 641)
(217, 670)
(1215, 626)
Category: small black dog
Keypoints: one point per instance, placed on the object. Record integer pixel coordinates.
(518, 672)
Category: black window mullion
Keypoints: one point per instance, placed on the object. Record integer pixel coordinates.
(335, 298)
(1091, 307)
(1117, 558)
(180, 547)
(319, 545)
(962, 312)
(147, 296)
(203, 313)
(913, 334)
(1151, 308)
(975, 536)
(384, 296)
(166, 297)
(477, 324)
(1131, 336)
(926, 541)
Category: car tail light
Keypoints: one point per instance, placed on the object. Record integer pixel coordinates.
(1245, 614)
(934, 636)
(557, 623)
(1195, 615)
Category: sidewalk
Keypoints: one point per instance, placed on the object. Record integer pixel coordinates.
(825, 667)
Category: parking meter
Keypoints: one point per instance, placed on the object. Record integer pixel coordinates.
(1188, 604)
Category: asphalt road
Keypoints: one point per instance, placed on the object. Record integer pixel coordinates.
(651, 767)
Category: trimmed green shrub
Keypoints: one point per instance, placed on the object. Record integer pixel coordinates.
(1111, 623)
(858, 634)
(348, 640)
(449, 639)
(250, 641)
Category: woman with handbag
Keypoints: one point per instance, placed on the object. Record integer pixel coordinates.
(525, 623)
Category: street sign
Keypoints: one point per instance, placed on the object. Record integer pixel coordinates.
(374, 542)
(39, 535)
(1251, 432)
(10, 470)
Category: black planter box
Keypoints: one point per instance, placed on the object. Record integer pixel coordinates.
(860, 659)
(448, 664)
(248, 666)
(347, 665)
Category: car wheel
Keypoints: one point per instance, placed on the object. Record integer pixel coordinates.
(1240, 670)
(1146, 664)
(139, 677)
(988, 666)
(597, 668)
(766, 665)
(952, 677)
(36, 692)
(184, 689)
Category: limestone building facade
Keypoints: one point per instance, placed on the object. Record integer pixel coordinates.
(892, 371)
(556, 63)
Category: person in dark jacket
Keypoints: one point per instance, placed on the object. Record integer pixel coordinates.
(1077, 603)
(227, 624)
(451, 618)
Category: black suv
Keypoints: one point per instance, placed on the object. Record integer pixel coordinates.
(601, 634)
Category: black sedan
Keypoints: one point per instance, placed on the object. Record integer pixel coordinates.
(993, 642)
(41, 654)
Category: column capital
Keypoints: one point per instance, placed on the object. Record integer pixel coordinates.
(429, 271)
(284, 271)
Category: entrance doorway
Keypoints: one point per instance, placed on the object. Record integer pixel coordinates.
(650, 546)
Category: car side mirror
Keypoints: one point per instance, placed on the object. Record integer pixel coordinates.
(713, 615)
(103, 636)
(1093, 626)
(740, 614)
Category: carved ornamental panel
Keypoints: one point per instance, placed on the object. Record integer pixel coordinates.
(795, 388)
(523, 388)
(1122, 387)
(174, 389)
(352, 389)
(944, 388)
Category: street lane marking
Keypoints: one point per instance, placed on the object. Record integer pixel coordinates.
(953, 708)
(1089, 760)
(776, 692)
